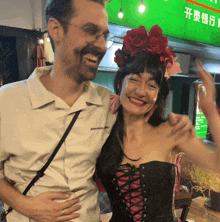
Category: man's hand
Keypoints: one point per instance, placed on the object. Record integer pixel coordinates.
(43, 208)
(182, 125)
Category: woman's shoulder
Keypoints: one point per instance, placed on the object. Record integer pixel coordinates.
(164, 127)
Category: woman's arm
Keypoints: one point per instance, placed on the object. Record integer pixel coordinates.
(207, 96)
(203, 155)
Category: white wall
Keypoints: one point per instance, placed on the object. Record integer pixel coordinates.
(21, 13)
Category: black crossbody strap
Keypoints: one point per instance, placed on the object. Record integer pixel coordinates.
(40, 173)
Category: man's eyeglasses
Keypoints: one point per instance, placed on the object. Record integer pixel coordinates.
(92, 31)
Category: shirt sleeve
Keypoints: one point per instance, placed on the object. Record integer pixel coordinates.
(3, 154)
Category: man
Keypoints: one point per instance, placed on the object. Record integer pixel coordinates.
(35, 113)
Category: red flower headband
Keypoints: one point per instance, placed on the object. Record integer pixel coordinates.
(139, 39)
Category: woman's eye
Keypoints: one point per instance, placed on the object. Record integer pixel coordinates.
(153, 86)
(134, 80)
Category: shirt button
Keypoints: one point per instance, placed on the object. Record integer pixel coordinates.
(143, 175)
(116, 188)
(144, 185)
(142, 167)
(145, 199)
(145, 215)
(113, 179)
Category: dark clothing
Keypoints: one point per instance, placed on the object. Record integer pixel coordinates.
(143, 194)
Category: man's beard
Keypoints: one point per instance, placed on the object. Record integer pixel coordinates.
(83, 74)
(81, 69)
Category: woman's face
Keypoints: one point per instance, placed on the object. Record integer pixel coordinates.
(138, 93)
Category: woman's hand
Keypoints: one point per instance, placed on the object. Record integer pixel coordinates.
(207, 91)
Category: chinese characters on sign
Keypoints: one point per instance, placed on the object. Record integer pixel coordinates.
(215, 1)
(202, 17)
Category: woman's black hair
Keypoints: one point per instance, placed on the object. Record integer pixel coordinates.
(112, 151)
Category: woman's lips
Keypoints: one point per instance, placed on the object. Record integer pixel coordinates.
(137, 102)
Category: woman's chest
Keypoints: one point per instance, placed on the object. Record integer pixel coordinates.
(154, 147)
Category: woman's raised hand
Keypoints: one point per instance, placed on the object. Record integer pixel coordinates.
(207, 92)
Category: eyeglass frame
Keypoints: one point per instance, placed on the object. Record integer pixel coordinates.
(97, 37)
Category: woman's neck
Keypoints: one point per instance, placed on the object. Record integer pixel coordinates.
(135, 127)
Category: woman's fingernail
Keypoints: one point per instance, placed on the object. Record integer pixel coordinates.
(204, 90)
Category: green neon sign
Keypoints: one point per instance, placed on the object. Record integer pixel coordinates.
(201, 124)
(196, 20)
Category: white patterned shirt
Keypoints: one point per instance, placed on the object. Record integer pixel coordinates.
(33, 120)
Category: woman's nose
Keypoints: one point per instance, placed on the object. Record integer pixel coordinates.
(141, 90)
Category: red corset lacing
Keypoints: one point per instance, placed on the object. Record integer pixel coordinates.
(129, 185)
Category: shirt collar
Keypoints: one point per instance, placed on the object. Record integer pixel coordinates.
(40, 96)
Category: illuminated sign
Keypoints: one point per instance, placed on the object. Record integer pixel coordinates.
(200, 15)
(201, 124)
(197, 20)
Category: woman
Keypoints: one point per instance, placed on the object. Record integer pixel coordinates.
(137, 163)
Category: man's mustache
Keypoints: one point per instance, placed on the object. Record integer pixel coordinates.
(94, 51)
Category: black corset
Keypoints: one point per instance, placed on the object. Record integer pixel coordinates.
(143, 194)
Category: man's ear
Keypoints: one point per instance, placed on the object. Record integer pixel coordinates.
(55, 30)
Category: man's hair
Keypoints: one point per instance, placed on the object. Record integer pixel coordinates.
(63, 11)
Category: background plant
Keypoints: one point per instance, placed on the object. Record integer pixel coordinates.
(204, 179)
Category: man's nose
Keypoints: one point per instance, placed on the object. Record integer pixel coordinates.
(101, 44)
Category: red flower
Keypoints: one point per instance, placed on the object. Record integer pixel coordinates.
(138, 40)
(135, 40)
(156, 31)
(157, 43)
(119, 60)
(167, 55)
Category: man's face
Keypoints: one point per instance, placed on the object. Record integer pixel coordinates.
(81, 51)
